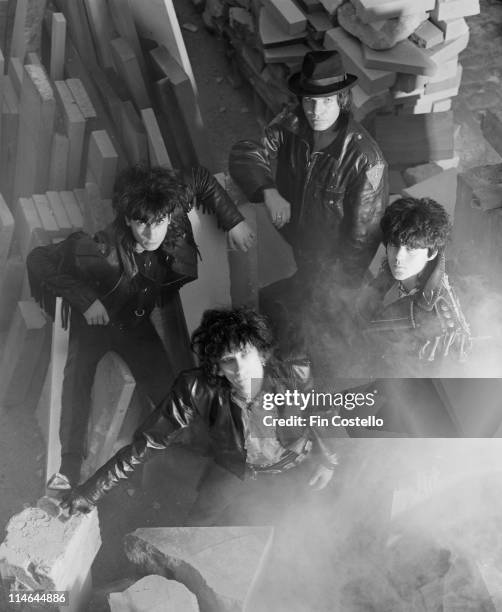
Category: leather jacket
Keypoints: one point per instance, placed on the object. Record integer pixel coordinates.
(337, 194)
(204, 417)
(82, 268)
(427, 325)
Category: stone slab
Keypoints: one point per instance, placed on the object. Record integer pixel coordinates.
(288, 14)
(111, 394)
(440, 187)
(353, 61)
(403, 57)
(451, 28)
(218, 564)
(45, 553)
(379, 10)
(272, 31)
(154, 594)
(454, 9)
(431, 135)
(427, 35)
(391, 32)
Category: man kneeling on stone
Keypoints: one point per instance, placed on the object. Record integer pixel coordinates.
(220, 409)
(412, 314)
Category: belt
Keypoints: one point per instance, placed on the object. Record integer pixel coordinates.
(291, 459)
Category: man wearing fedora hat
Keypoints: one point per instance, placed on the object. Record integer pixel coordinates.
(329, 189)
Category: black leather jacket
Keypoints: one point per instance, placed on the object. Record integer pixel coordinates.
(426, 326)
(337, 194)
(82, 268)
(204, 417)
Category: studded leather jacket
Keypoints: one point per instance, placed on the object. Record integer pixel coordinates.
(337, 194)
(204, 417)
(82, 268)
(425, 326)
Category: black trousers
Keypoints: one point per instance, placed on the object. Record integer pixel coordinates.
(225, 499)
(142, 350)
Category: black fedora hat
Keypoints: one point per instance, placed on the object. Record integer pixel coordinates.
(322, 74)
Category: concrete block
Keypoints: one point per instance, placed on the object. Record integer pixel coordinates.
(43, 552)
(330, 6)
(363, 104)
(72, 209)
(100, 23)
(403, 57)
(157, 150)
(454, 9)
(319, 22)
(431, 135)
(440, 187)
(59, 212)
(379, 10)
(58, 169)
(188, 112)
(353, 61)
(134, 134)
(22, 351)
(111, 394)
(6, 232)
(74, 123)
(311, 6)
(15, 72)
(11, 283)
(9, 140)
(154, 594)
(288, 14)
(287, 54)
(396, 182)
(427, 35)
(272, 31)
(97, 212)
(46, 215)
(128, 68)
(386, 37)
(417, 174)
(180, 149)
(58, 44)
(218, 564)
(27, 220)
(451, 28)
(476, 235)
(447, 84)
(36, 126)
(441, 106)
(102, 162)
(448, 50)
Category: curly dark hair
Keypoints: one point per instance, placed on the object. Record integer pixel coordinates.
(226, 329)
(419, 223)
(146, 194)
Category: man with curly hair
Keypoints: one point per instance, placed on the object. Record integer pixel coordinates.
(413, 317)
(218, 409)
(112, 281)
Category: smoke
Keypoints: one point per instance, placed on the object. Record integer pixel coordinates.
(342, 348)
(352, 549)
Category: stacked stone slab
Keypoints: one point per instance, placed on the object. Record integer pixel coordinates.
(268, 40)
(406, 55)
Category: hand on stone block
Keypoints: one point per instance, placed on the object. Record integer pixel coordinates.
(76, 503)
(321, 476)
(241, 237)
